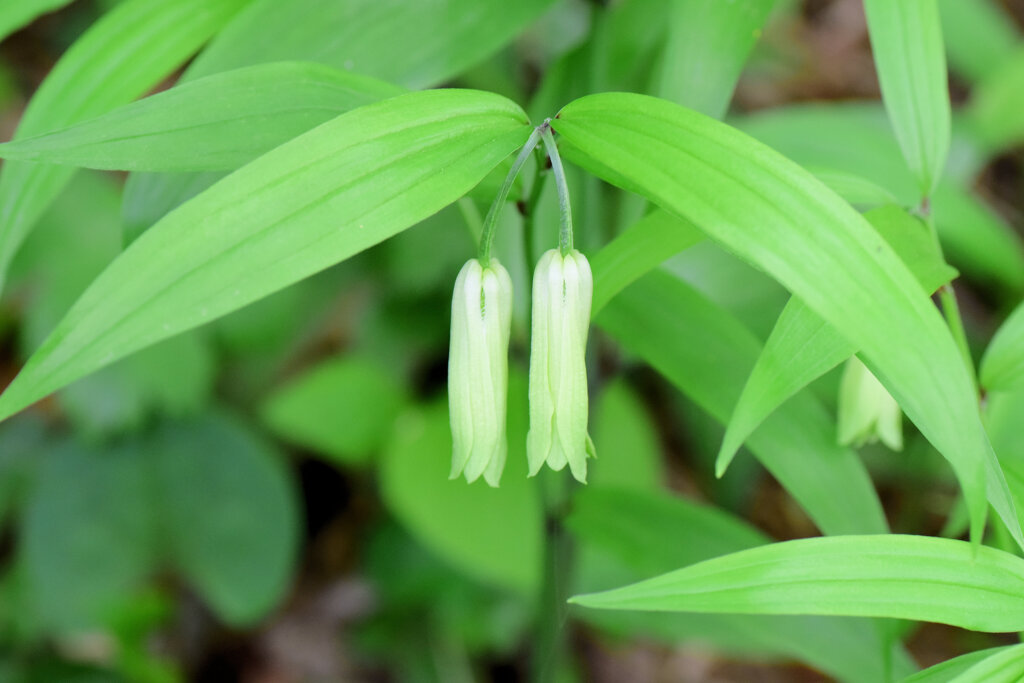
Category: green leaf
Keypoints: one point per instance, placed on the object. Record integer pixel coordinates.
(173, 378)
(803, 347)
(637, 250)
(631, 527)
(1004, 413)
(708, 44)
(906, 41)
(1001, 667)
(438, 39)
(1002, 366)
(993, 114)
(15, 15)
(148, 197)
(979, 36)
(976, 240)
(817, 136)
(492, 534)
(415, 44)
(75, 240)
(904, 577)
(660, 235)
(852, 187)
(626, 440)
(797, 444)
(775, 215)
(320, 198)
(229, 518)
(910, 238)
(216, 123)
(123, 55)
(952, 668)
(343, 408)
(87, 534)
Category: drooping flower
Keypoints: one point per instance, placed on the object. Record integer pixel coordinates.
(562, 291)
(478, 370)
(867, 411)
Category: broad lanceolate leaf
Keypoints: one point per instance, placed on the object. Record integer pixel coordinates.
(17, 13)
(1004, 666)
(803, 347)
(853, 188)
(906, 41)
(415, 44)
(1002, 367)
(905, 577)
(774, 214)
(949, 669)
(74, 241)
(630, 528)
(216, 123)
(124, 54)
(640, 248)
(707, 353)
(975, 239)
(708, 44)
(148, 197)
(438, 39)
(308, 204)
(659, 235)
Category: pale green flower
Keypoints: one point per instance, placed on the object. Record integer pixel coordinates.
(478, 370)
(562, 292)
(867, 412)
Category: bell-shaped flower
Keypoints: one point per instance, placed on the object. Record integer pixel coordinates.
(478, 370)
(867, 411)
(562, 291)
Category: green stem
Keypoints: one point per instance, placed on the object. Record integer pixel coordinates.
(947, 301)
(529, 211)
(951, 310)
(565, 235)
(491, 222)
(552, 648)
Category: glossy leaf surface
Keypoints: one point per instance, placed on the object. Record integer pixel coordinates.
(307, 205)
(774, 214)
(905, 577)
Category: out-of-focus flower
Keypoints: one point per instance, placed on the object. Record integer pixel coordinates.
(478, 370)
(562, 291)
(867, 412)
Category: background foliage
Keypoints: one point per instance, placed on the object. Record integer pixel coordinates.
(226, 441)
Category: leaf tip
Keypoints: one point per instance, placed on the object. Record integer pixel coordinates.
(725, 456)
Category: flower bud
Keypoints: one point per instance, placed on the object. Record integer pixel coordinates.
(478, 370)
(867, 412)
(562, 292)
